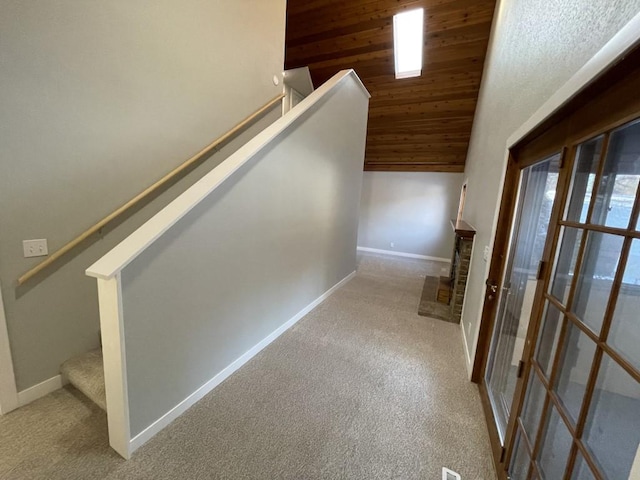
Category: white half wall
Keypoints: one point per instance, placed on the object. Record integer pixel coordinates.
(232, 262)
(410, 210)
(533, 51)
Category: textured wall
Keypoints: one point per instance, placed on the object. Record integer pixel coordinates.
(536, 46)
(412, 210)
(99, 99)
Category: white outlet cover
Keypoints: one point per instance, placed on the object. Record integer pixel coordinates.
(486, 253)
(450, 474)
(35, 248)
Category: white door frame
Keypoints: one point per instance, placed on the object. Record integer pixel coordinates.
(8, 391)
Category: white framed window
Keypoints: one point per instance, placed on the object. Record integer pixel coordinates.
(408, 37)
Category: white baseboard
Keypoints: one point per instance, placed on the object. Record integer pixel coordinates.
(188, 402)
(40, 390)
(465, 345)
(403, 254)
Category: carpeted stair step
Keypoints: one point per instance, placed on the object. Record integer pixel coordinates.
(86, 373)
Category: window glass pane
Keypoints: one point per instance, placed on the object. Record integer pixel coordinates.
(533, 406)
(619, 183)
(598, 269)
(612, 431)
(556, 444)
(632, 270)
(566, 263)
(548, 339)
(535, 202)
(581, 470)
(584, 174)
(625, 328)
(577, 355)
(520, 460)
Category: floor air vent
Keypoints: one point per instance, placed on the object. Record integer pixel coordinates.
(450, 474)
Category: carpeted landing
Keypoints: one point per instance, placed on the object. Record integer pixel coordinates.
(361, 388)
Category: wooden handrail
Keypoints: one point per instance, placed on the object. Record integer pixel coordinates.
(206, 151)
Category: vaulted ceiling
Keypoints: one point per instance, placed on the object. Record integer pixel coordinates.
(415, 124)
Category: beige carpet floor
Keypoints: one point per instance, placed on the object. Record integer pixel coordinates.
(361, 388)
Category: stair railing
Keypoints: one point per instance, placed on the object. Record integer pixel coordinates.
(201, 155)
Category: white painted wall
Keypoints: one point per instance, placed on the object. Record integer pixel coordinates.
(536, 46)
(100, 99)
(411, 210)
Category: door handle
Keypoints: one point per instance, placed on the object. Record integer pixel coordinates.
(492, 288)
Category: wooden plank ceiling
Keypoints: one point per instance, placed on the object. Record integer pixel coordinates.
(415, 124)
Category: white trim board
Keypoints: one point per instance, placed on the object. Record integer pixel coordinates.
(40, 390)
(188, 402)
(465, 345)
(115, 364)
(613, 51)
(635, 468)
(467, 354)
(403, 254)
(8, 391)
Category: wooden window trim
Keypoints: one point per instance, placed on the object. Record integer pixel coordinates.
(580, 120)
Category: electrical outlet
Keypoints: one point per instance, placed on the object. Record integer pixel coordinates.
(392, 244)
(450, 474)
(486, 254)
(35, 248)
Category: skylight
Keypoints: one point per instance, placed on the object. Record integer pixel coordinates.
(408, 30)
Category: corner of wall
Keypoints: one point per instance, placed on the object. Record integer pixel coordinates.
(8, 391)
